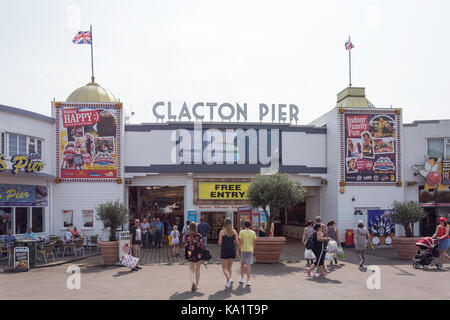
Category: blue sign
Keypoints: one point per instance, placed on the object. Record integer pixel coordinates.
(192, 216)
(22, 195)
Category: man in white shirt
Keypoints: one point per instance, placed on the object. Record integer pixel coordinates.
(68, 235)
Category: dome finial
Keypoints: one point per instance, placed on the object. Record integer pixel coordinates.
(93, 78)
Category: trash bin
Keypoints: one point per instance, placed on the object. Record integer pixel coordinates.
(349, 238)
(31, 244)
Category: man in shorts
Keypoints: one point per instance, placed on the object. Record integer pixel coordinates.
(247, 239)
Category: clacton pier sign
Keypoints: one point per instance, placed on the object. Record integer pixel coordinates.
(204, 111)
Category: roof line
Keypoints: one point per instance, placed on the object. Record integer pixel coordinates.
(27, 113)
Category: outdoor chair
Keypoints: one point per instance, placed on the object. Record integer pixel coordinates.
(62, 246)
(79, 246)
(93, 242)
(47, 250)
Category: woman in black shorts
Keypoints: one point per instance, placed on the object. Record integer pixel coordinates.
(319, 249)
(228, 241)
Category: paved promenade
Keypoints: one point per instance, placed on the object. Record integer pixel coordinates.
(285, 280)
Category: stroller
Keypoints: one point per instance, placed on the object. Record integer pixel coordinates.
(428, 253)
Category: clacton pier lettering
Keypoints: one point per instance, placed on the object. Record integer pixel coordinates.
(203, 111)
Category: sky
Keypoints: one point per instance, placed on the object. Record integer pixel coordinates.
(253, 51)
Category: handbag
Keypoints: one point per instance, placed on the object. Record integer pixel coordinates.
(329, 256)
(309, 255)
(340, 253)
(170, 241)
(332, 246)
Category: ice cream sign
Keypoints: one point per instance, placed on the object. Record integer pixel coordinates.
(21, 163)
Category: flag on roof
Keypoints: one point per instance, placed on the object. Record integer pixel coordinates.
(349, 45)
(83, 37)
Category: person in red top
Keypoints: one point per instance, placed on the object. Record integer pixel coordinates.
(442, 234)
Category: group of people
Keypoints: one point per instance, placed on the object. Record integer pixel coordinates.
(320, 234)
(152, 232)
(232, 246)
(71, 234)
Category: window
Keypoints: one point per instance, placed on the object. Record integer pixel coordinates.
(5, 220)
(295, 215)
(21, 220)
(3, 143)
(37, 219)
(436, 148)
(447, 148)
(20, 144)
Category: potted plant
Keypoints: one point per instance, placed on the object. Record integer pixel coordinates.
(406, 214)
(113, 215)
(276, 191)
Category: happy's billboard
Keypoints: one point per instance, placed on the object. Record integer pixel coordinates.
(88, 140)
(370, 146)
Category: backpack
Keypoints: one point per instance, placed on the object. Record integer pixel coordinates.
(309, 243)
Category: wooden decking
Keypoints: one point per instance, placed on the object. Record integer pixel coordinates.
(292, 252)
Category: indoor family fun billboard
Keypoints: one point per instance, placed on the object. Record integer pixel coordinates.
(370, 147)
(89, 137)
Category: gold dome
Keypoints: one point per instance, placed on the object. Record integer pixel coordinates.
(91, 92)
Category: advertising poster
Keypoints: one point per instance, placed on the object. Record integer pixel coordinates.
(446, 172)
(21, 259)
(88, 140)
(370, 147)
(23, 195)
(88, 218)
(244, 213)
(381, 229)
(68, 218)
(192, 216)
(124, 244)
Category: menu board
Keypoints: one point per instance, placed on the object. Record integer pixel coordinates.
(370, 147)
(89, 140)
(124, 244)
(21, 259)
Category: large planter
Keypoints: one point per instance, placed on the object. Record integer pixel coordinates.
(110, 252)
(406, 247)
(268, 249)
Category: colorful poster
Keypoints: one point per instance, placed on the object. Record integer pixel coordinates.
(89, 140)
(23, 195)
(21, 259)
(124, 244)
(88, 218)
(370, 147)
(68, 218)
(192, 216)
(446, 172)
(381, 229)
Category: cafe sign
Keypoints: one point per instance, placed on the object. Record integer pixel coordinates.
(19, 163)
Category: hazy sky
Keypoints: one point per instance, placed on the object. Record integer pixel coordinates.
(229, 51)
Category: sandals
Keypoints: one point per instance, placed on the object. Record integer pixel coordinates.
(194, 287)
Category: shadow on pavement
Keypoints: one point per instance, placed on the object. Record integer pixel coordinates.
(221, 294)
(275, 269)
(403, 272)
(185, 295)
(241, 290)
(321, 279)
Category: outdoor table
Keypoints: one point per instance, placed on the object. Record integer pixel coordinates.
(31, 244)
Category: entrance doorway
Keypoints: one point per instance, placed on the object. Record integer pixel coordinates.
(215, 219)
(164, 202)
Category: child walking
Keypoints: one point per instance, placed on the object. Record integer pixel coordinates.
(247, 239)
(175, 234)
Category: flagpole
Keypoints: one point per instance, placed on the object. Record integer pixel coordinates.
(350, 64)
(92, 56)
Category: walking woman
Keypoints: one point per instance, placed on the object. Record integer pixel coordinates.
(442, 234)
(319, 249)
(334, 235)
(361, 238)
(228, 240)
(193, 245)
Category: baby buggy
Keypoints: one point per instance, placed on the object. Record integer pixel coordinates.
(428, 253)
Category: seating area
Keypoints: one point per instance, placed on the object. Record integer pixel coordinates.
(53, 249)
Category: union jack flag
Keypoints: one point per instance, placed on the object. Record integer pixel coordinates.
(83, 37)
(349, 45)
